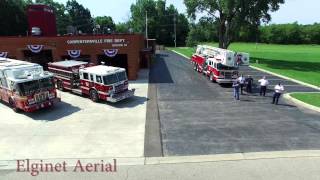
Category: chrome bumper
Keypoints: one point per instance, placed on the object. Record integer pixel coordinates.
(225, 81)
(121, 96)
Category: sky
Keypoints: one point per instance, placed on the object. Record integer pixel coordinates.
(302, 11)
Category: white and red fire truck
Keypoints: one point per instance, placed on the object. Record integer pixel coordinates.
(25, 86)
(216, 63)
(99, 82)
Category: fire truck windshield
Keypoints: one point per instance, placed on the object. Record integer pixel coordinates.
(27, 88)
(122, 76)
(223, 67)
(113, 78)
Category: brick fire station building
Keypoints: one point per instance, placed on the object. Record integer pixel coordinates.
(121, 50)
(125, 51)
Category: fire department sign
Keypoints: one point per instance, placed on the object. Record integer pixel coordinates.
(114, 42)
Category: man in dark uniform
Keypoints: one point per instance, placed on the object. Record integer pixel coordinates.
(249, 82)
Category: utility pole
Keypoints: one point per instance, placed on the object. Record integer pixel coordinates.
(175, 30)
(147, 29)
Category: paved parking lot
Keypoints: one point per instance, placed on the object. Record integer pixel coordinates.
(199, 117)
(77, 128)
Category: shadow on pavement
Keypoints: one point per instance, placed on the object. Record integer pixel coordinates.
(58, 111)
(159, 72)
(162, 55)
(128, 103)
(286, 105)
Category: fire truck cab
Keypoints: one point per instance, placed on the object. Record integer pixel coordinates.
(218, 72)
(99, 82)
(25, 86)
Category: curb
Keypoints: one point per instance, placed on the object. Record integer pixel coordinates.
(300, 103)
(142, 161)
(287, 78)
(233, 157)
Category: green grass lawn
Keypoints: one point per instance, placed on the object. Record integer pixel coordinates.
(184, 50)
(310, 98)
(301, 62)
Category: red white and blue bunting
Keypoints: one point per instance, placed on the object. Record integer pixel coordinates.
(110, 52)
(35, 48)
(3, 54)
(74, 53)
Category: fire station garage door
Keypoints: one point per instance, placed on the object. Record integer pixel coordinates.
(120, 60)
(42, 58)
(85, 58)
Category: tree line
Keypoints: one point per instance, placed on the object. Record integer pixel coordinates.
(232, 15)
(291, 33)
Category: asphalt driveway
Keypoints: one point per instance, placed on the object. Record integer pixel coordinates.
(199, 117)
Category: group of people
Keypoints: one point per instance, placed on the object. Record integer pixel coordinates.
(241, 82)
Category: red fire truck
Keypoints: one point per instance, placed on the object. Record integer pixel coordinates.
(218, 64)
(99, 82)
(25, 86)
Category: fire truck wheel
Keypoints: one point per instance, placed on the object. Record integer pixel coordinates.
(94, 95)
(195, 66)
(60, 85)
(13, 105)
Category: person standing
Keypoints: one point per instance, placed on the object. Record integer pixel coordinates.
(236, 89)
(278, 90)
(249, 82)
(263, 86)
(238, 59)
(241, 80)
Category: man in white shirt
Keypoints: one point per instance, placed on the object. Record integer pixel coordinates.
(263, 86)
(278, 90)
(242, 81)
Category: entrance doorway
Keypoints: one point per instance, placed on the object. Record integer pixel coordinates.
(43, 58)
(120, 60)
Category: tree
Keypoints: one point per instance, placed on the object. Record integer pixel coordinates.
(13, 18)
(138, 16)
(62, 17)
(122, 28)
(161, 21)
(203, 31)
(80, 16)
(105, 23)
(232, 14)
